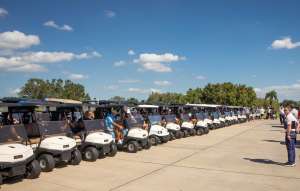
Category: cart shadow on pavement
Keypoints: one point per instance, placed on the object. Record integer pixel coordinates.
(264, 161)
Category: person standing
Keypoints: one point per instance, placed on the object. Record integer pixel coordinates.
(291, 126)
(111, 126)
(281, 115)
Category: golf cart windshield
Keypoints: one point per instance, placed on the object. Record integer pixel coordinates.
(48, 126)
(200, 115)
(154, 119)
(12, 133)
(216, 115)
(185, 117)
(94, 125)
(135, 121)
(170, 118)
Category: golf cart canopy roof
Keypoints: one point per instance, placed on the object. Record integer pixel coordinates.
(148, 106)
(204, 105)
(67, 101)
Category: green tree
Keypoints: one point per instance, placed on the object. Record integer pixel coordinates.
(39, 89)
(271, 97)
(117, 99)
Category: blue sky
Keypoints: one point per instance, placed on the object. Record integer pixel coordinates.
(132, 47)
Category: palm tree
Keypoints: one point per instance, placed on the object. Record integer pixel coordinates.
(271, 96)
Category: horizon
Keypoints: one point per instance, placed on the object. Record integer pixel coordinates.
(116, 48)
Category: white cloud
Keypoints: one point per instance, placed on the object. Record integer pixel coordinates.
(162, 83)
(131, 52)
(16, 40)
(14, 92)
(111, 87)
(30, 61)
(77, 76)
(120, 63)
(27, 68)
(128, 81)
(56, 26)
(289, 91)
(157, 62)
(109, 13)
(143, 91)
(285, 42)
(200, 77)
(3, 12)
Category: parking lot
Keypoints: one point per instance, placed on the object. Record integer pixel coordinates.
(241, 157)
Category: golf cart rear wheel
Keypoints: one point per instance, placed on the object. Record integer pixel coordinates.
(199, 132)
(91, 154)
(113, 150)
(132, 147)
(185, 133)
(178, 134)
(153, 140)
(46, 162)
(76, 157)
(192, 132)
(148, 145)
(33, 170)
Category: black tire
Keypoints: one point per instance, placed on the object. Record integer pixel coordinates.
(76, 157)
(192, 132)
(132, 147)
(185, 133)
(172, 136)
(90, 154)
(1, 179)
(153, 140)
(181, 134)
(165, 139)
(148, 145)
(33, 170)
(178, 134)
(113, 150)
(199, 132)
(46, 162)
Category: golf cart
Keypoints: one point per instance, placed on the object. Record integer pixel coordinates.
(136, 138)
(157, 133)
(201, 122)
(89, 134)
(16, 157)
(46, 131)
(170, 122)
(187, 123)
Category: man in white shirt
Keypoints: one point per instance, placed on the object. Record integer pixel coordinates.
(291, 126)
(281, 115)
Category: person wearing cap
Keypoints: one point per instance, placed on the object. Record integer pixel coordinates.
(291, 126)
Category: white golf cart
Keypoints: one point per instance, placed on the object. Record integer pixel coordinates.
(157, 133)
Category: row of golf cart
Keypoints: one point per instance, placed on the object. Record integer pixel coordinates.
(38, 135)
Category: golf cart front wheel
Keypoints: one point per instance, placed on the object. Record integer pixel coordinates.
(113, 150)
(132, 147)
(192, 132)
(47, 162)
(76, 157)
(153, 140)
(33, 170)
(91, 154)
(199, 132)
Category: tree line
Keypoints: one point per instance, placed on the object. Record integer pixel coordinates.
(219, 93)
